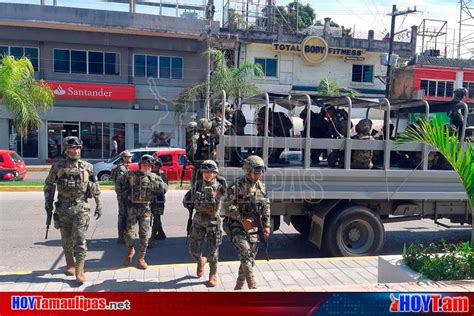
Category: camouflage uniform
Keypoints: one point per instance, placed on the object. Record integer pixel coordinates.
(236, 206)
(117, 173)
(141, 189)
(202, 147)
(362, 159)
(72, 178)
(207, 223)
(158, 209)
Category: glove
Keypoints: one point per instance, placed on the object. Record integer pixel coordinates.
(98, 212)
(247, 223)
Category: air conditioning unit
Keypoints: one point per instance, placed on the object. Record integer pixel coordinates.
(432, 53)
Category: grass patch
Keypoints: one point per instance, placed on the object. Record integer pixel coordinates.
(442, 261)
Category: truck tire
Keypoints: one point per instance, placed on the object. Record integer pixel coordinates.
(353, 231)
(302, 224)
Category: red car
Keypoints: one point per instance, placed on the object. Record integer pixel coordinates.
(174, 159)
(11, 161)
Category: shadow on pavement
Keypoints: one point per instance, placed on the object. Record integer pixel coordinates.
(132, 285)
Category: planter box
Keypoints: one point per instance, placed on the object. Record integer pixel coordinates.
(391, 269)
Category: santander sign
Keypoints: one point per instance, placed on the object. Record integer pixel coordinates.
(76, 90)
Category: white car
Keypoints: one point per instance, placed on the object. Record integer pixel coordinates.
(292, 156)
(103, 169)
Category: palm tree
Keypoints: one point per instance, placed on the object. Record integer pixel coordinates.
(23, 96)
(331, 88)
(438, 136)
(233, 80)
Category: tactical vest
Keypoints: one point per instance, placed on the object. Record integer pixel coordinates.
(115, 171)
(141, 188)
(243, 196)
(205, 200)
(73, 181)
(363, 155)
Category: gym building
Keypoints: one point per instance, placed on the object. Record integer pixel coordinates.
(114, 76)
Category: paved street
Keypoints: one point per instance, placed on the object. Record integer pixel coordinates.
(22, 220)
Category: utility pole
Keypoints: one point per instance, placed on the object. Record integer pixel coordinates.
(394, 14)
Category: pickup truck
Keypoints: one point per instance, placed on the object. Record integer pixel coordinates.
(342, 211)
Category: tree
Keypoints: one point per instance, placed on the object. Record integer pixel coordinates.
(331, 88)
(438, 136)
(286, 16)
(233, 80)
(23, 96)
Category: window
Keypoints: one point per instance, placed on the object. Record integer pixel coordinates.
(182, 160)
(470, 87)
(167, 160)
(437, 88)
(164, 67)
(152, 66)
(362, 73)
(1, 159)
(32, 53)
(112, 64)
(61, 60)
(78, 62)
(84, 62)
(26, 146)
(269, 66)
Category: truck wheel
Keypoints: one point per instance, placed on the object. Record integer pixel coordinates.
(104, 176)
(302, 224)
(353, 231)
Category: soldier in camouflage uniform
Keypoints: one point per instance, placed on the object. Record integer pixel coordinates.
(207, 195)
(75, 182)
(158, 207)
(203, 147)
(243, 231)
(362, 159)
(142, 186)
(117, 173)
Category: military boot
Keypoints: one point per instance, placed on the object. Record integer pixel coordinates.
(80, 276)
(121, 238)
(70, 265)
(128, 256)
(239, 284)
(141, 263)
(213, 276)
(200, 266)
(251, 283)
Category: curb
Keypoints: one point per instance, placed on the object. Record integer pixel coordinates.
(37, 168)
(21, 188)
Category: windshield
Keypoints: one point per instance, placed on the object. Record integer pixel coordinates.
(16, 158)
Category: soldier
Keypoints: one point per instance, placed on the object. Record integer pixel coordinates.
(74, 179)
(207, 194)
(362, 159)
(243, 231)
(142, 185)
(217, 121)
(117, 173)
(158, 208)
(337, 120)
(203, 146)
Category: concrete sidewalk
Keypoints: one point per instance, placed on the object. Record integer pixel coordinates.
(324, 274)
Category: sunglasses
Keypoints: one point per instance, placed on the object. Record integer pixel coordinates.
(259, 169)
(208, 167)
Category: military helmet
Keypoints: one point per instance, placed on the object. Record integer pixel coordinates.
(191, 125)
(147, 159)
(158, 162)
(364, 126)
(218, 107)
(71, 141)
(126, 153)
(254, 164)
(203, 124)
(209, 165)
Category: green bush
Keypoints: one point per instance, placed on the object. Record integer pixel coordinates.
(441, 262)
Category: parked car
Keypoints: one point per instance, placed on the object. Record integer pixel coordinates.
(9, 174)
(10, 160)
(292, 157)
(173, 161)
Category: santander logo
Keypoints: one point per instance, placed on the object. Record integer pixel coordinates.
(59, 91)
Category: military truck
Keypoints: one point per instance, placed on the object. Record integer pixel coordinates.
(343, 211)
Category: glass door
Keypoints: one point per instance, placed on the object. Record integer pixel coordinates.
(57, 131)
